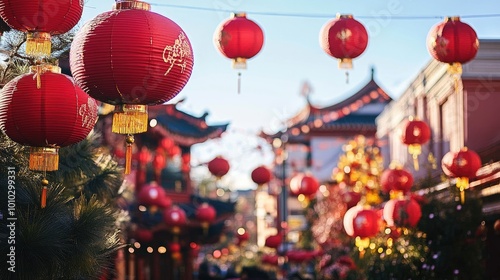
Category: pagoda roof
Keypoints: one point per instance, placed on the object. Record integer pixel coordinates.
(183, 128)
(356, 113)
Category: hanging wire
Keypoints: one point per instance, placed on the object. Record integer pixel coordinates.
(316, 15)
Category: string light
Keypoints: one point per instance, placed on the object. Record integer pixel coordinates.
(304, 15)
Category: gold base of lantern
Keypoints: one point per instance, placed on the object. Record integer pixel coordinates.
(38, 44)
(44, 159)
(240, 63)
(455, 68)
(415, 150)
(345, 63)
(130, 119)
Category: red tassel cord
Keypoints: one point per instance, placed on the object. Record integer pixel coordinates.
(128, 153)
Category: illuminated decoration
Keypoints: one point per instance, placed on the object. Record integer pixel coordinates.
(218, 166)
(396, 180)
(344, 38)
(453, 42)
(415, 133)
(206, 214)
(175, 249)
(131, 68)
(153, 196)
(462, 165)
(242, 236)
(175, 218)
(273, 241)
(41, 19)
(402, 213)
(239, 39)
(143, 235)
(303, 184)
(261, 175)
(45, 110)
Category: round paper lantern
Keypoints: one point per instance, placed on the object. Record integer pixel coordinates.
(218, 166)
(175, 249)
(348, 220)
(261, 175)
(131, 68)
(273, 241)
(462, 165)
(242, 236)
(41, 19)
(239, 39)
(175, 218)
(46, 110)
(302, 184)
(415, 133)
(396, 179)
(453, 42)
(344, 38)
(270, 259)
(351, 198)
(402, 213)
(153, 195)
(366, 223)
(206, 214)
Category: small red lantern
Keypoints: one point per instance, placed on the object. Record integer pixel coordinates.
(402, 213)
(302, 184)
(159, 162)
(242, 236)
(396, 179)
(131, 68)
(348, 220)
(175, 249)
(351, 198)
(41, 19)
(273, 241)
(415, 133)
(218, 166)
(344, 38)
(366, 223)
(153, 195)
(206, 214)
(175, 218)
(46, 110)
(453, 42)
(239, 39)
(143, 235)
(463, 165)
(261, 175)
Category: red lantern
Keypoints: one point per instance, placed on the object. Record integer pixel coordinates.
(131, 67)
(218, 167)
(304, 184)
(154, 196)
(175, 248)
(242, 237)
(46, 110)
(402, 213)
(351, 198)
(366, 223)
(159, 162)
(261, 175)
(143, 235)
(270, 259)
(41, 19)
(144, 156)
(453, 42)
(396, 179)
(415, 133)
(463, 165)
(344, 38)
(273, 241)
(239, 39)
(206, 214)
(175, 217)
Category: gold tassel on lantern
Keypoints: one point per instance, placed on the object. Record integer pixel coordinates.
(415, 150)
(44, 159)
(462, 185)
(38, 44)
(130, 119)
(128, 153)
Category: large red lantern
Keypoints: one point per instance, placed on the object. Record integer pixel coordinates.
(239, 39)
(218, 166)
(463, 165)
(175, 218)
(415, 133)
(397, 180)
(154, 196)
(402, 213)
(453, 42)
(131, 67)
(46, 110)
(206, 214)
(261, 175)
(344, 38)
(40, 19)
(273, 241)
(302, 184)
(366, 223)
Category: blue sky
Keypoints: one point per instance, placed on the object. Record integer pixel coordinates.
(270, 89)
